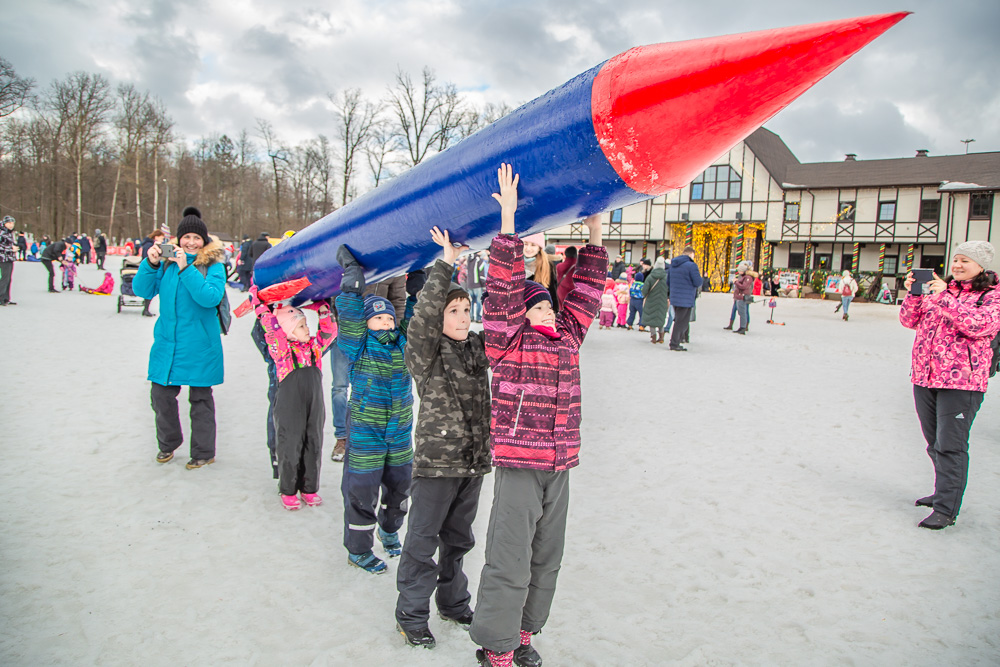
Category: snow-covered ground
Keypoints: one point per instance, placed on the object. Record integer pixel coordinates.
(749, 502)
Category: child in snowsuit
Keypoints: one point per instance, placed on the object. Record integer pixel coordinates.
(621, 300)
(68, 271)
(535, 434)
(379, 453)
(451, 452)
(299, 412)
(608, 307)
(107, 287)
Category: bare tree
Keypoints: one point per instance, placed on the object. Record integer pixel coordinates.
(378, 150)
(159, 133)
(416, 107)
(473, 120)
(14, 90)
(356, 116)
(279, 162)
(84, 101)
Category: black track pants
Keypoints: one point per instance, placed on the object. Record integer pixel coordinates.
(299, 415)
(946, 419)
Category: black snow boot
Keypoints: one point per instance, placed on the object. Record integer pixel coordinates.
(525, 655)
(937, 521)
(926, 501)
(729, 328)
(421, 637)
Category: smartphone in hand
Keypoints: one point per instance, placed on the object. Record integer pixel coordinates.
(920, 279)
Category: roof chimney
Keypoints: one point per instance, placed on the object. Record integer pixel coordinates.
(850, 157)
(921, 152)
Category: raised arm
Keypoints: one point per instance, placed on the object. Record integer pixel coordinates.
(503, 308)
(353, 330)
(582, 304)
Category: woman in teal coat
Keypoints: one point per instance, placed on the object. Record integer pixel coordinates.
(187, 345)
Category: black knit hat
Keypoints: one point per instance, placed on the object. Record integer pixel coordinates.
(192, 224)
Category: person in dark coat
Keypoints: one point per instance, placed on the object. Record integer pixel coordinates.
(155, 238)
(100, 248)
(8, 255)
(22, 246)
(656, 300)
(618, 268)
(451, 454)
(683, 279)
(259, 247)
(85, 247)
(53, 253)
(244, 266)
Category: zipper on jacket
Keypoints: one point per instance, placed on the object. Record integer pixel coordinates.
(517, 417)
(968, 348)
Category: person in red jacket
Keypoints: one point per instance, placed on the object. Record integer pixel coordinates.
(535, 433)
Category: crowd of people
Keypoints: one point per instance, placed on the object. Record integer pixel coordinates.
(413, 333)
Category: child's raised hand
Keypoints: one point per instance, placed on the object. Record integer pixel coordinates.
(507, 198)
(443, 239)
(594, 224)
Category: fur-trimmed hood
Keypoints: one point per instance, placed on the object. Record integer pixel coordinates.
(210, 254)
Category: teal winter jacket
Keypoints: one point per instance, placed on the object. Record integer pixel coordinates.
(187, 344)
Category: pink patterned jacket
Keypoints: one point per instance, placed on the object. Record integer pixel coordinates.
(951, 349)
(536, 375)
(291, 354)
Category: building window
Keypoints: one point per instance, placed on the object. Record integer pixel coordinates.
(796, 260)
(847, 261)
(845, 210)
(792, 211)
(616, 215)
(930, 210)
(981, 205)
(890, 266)
(886, 211)
(824, 261)
(720, 182)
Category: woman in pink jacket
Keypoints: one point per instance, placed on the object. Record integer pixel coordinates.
(955, 323)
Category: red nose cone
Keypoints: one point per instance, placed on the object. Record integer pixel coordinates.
(664, 112)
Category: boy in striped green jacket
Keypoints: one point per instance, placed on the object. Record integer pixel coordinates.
(379, 450)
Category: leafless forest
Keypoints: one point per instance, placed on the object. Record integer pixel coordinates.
(83, 153)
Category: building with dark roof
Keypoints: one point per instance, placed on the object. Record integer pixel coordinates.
(758, 202)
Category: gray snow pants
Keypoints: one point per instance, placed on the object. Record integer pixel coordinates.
(524, 549)
(169, 435)
(946, 418)
(442, 510)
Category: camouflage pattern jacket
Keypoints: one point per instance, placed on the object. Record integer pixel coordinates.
(452, 434)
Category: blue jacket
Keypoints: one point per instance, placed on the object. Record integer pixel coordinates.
(187, 344)
(684, 280)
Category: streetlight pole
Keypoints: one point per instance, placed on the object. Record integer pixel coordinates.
(966, 142)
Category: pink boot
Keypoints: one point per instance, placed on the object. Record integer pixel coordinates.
(312, 499)
(290, 502)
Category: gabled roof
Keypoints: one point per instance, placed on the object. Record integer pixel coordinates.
(977, 169)
(772, 152)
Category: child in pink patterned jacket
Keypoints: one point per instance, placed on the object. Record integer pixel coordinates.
(299, 412)
(535, 433)
(955, 324)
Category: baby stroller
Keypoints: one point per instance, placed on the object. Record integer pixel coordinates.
(130, 267)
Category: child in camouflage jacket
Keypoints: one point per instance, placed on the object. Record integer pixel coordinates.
(452, 451)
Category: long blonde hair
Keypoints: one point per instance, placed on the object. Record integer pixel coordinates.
(543, 268)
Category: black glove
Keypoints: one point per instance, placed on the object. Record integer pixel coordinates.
(415, 282)
(354, 276)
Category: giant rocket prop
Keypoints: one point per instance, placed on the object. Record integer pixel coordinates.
(643, 123)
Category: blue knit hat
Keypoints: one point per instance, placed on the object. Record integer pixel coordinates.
(377, 305)
(535, 293)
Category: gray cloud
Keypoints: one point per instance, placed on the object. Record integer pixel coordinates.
(926, 83)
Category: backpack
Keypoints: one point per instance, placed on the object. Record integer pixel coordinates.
(846, 290)
(635, 291)
(994, 343)
(223, 311)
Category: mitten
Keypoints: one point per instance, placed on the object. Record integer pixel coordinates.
(415, 281)
(354, 276)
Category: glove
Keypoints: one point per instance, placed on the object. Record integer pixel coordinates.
(353, 280)
(415, 282)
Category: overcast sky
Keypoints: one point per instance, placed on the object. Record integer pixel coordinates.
(927, 83)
